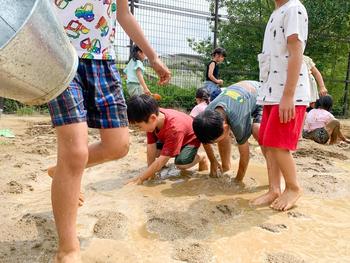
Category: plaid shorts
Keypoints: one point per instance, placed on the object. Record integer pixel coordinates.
(95, 96)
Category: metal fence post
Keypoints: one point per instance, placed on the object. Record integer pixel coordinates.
(132, 10)
(216, 23)
(346, 91)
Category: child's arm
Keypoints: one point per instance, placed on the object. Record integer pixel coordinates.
(211, 76)
(318, 76)
(142, 81)
(243, 161)
(151, 153)
(214, 164)
(286, 106)
(156, 166)
(134, 31)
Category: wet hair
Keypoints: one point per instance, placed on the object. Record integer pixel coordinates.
(140, 108)
(219, 51)
(134, 52)
(208, 126)
(203, 94)
(325, 102)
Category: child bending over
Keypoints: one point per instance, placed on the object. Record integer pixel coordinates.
(321, 126)
(169, 134)
(234, 110)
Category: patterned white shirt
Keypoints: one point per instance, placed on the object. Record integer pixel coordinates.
(289, 19)
(90, 25)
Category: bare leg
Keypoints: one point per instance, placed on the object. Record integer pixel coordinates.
(202, 161)
(293, 191)
(333, 129)
(224, 147)
(72, 157)
(114, 144)
(274, 176)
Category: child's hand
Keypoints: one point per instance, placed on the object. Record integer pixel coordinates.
(286, 109)
(136, 180)
(162, 71)
(220, 82)
(215, 169)
(147, 92)
(323, 91)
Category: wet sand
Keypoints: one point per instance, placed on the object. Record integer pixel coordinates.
(183, 218)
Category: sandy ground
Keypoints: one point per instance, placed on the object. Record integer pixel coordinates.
(185, 218)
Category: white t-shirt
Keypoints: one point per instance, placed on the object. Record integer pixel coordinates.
(90, 25)
(289, 19)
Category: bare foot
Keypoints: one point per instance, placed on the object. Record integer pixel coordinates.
(203, 165)
(51, 172)
(72, 257)
(265, 199)
(287, 199)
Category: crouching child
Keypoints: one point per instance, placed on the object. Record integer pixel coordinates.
(169, 134)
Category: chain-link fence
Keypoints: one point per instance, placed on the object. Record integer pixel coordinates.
(170, 24)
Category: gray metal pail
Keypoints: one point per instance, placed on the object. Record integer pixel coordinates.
(37, 62)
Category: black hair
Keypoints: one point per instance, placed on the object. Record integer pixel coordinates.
(219, 51)
(208, 126)
(134, 52)
(325, 102)
(203, 94)
(140, 108)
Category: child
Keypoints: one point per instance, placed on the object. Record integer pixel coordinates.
(94, 98)
(212, 81)
(233, 110)
(285, 95)
(320, 124)
(134, 71)
(169, 134)
(202, 100)
(314, 75)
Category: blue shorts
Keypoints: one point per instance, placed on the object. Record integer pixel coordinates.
(95, 96)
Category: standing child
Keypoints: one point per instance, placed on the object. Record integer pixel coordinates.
(94, 99)
(169, 134)
(315, 77)
(321, 126)
(202, 100)
(285, 95)
(212, 81)
(135, 83)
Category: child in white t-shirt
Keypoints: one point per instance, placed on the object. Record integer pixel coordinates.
(285, 95)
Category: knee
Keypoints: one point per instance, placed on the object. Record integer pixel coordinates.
(117, 151)
(76, 158)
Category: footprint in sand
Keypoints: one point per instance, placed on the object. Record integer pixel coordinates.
(177, 225)
(325, 185)
(13, 187)
(193, 253)
(197, 222)
(273, 228)
(283, 258)
(294, 214)
(110, 225)
(31, 239)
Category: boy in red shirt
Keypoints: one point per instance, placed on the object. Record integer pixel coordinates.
(169, 134)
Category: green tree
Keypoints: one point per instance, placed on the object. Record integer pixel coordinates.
(241, 34)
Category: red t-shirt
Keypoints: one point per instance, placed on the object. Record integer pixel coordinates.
(176, 132)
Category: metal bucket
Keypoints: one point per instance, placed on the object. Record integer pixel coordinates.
(37, 62)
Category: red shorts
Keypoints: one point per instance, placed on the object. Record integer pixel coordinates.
(273, 133)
